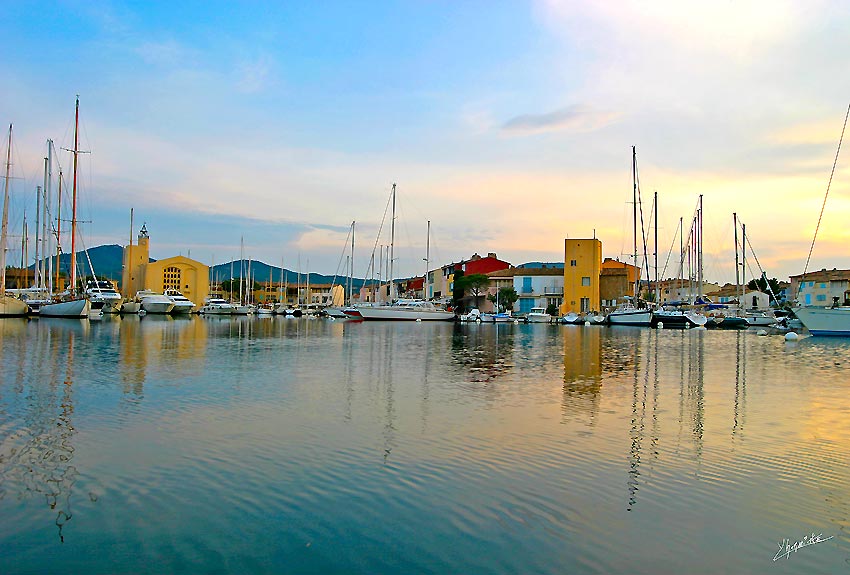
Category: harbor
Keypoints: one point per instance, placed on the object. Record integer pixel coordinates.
(333, 446)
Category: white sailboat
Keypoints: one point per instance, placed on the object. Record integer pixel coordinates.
(627, 313)
(9, 306)
(71, 304)
(407, 309)
(832, 321)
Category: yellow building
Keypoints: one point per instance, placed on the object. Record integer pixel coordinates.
(188, 276)
(582, 267)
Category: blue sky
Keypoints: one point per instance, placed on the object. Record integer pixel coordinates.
(508, 125)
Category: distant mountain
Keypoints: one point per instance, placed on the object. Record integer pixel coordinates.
(107, 261)
(260, 272)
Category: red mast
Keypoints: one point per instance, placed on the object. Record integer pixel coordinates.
(73, 288)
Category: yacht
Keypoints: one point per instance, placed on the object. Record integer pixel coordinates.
(407, 309)
(538, 315)
(152, 302)
(217, 306)
(684, 318)
(628, 314)
(182, 304)
(103, 296)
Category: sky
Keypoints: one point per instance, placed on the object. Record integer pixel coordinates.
(508, 125)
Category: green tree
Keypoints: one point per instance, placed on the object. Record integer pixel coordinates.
(762, 284)
(552, 309)
(505, 299)
(457, 290)
(475, 283)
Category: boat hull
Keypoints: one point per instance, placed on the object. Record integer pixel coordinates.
(392, 313)
(638, 317)
(182, 308)
(833, 322)
(76, 308)
(539, 318)
(13, 307)
(157, 307)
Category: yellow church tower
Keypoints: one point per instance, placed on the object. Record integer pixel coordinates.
(136, 259)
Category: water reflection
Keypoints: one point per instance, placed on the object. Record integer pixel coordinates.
(36, 448)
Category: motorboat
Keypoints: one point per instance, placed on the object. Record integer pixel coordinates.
(217, 306)
(500, 317)
(152, 302)
(761, 318)
(336, 312)
(242, 309)
(594, 318)
(538, 315)
(628, 314)
(407, 309)
(571, 318)
(473, 315)
(182, 304)
(103, 296)
(682, 318)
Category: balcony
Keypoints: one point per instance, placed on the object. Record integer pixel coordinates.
(553, 290)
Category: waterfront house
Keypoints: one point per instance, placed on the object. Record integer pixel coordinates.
(538, 287)
(730, 294)
(821, 288)
(440, 282)
(582, 270)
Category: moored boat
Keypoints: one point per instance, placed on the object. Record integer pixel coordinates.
(217, 306)
(152, 302)
(538, 315)
(182, 304)
(831, 321)
(409, 310)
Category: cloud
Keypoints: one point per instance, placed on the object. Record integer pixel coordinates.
(253, 76)
(575, 118)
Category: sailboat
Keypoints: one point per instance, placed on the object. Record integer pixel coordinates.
(628, 313)
(835, 320)
(404, 309)
(9, 306)
(71, 305)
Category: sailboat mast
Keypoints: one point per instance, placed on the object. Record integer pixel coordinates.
(699, 244)
(47, 259)
(427, 262)
(74, 199)
(737, 277)
(743, 260)
(37, 267)
(351, 269)
(392, 248)
(59, 230)
(655, 219)
(5, 222)
(634, 214)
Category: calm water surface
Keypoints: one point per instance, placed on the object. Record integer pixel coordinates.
(296, 446)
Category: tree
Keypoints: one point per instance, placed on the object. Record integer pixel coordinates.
(762, 285)
(457, 290)
(475, 283)
(506, 298)
(552, 309)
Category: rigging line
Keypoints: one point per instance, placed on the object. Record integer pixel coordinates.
(344, 251)
(670, 251)
(378, 237)
(828, 185)
(642, 228)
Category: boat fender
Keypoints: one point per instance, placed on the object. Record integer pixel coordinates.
(791, 336)
(587, 323)
(761, 332)
(418, 320)
(660, 325)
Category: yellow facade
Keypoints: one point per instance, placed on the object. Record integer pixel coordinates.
(582, 267)
(188, 276)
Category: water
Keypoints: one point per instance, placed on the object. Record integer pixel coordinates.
(309, 446)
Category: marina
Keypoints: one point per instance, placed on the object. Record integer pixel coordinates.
(190, 443)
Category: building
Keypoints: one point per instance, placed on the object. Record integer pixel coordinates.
(538, 287)
(617, 281)
(582, 270)
(188, 276)
(682, 290)
(731, 294)
(823, 288)
(440, 283)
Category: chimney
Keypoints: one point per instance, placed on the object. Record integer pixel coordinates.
(492, 255)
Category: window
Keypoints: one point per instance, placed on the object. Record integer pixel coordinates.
(171, 278)
(573, 263)
(585, 281)
(822, 285)
(585, 304)
(820, 297)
